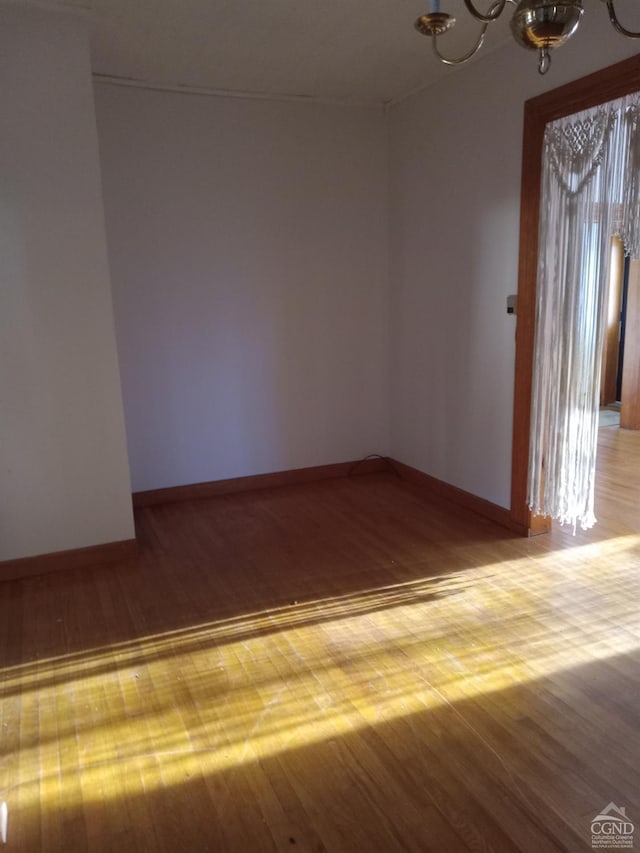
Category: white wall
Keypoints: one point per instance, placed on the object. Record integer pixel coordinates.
(248, 243)
(63, 467)
(248, 250)
(455, 155)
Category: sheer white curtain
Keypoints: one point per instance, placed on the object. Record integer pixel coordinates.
(590, 192)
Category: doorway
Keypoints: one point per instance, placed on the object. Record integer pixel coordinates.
(599, 88)
(612, 363)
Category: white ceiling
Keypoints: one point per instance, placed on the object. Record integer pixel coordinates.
(363, 51)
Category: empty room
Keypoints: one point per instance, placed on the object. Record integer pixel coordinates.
(319, 426)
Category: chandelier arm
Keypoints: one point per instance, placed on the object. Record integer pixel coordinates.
(493, 14)
(461, 59)
(616, 23)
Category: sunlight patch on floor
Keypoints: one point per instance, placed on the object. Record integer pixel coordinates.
(164, 709)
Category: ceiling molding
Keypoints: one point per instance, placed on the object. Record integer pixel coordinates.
(81, 10)
(177, 88)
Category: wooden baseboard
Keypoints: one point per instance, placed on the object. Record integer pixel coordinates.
(215, 488)
(110, 552)
(77, 558)
(443, 490)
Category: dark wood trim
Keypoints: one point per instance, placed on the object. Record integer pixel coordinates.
(77, 558)
(617, 80)
(630, 397)
(214, 488)
(611, 349)
(445, 491)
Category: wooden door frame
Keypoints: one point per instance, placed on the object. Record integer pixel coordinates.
(613, 82)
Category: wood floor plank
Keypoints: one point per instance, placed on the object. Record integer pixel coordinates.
(339, 666)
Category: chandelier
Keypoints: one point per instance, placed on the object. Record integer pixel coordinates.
(540, 25)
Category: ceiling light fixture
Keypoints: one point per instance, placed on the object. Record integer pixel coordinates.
(540, 25)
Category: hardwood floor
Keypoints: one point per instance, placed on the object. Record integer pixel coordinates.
(341, 666)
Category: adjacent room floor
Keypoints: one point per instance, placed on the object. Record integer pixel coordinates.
(343, 666)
